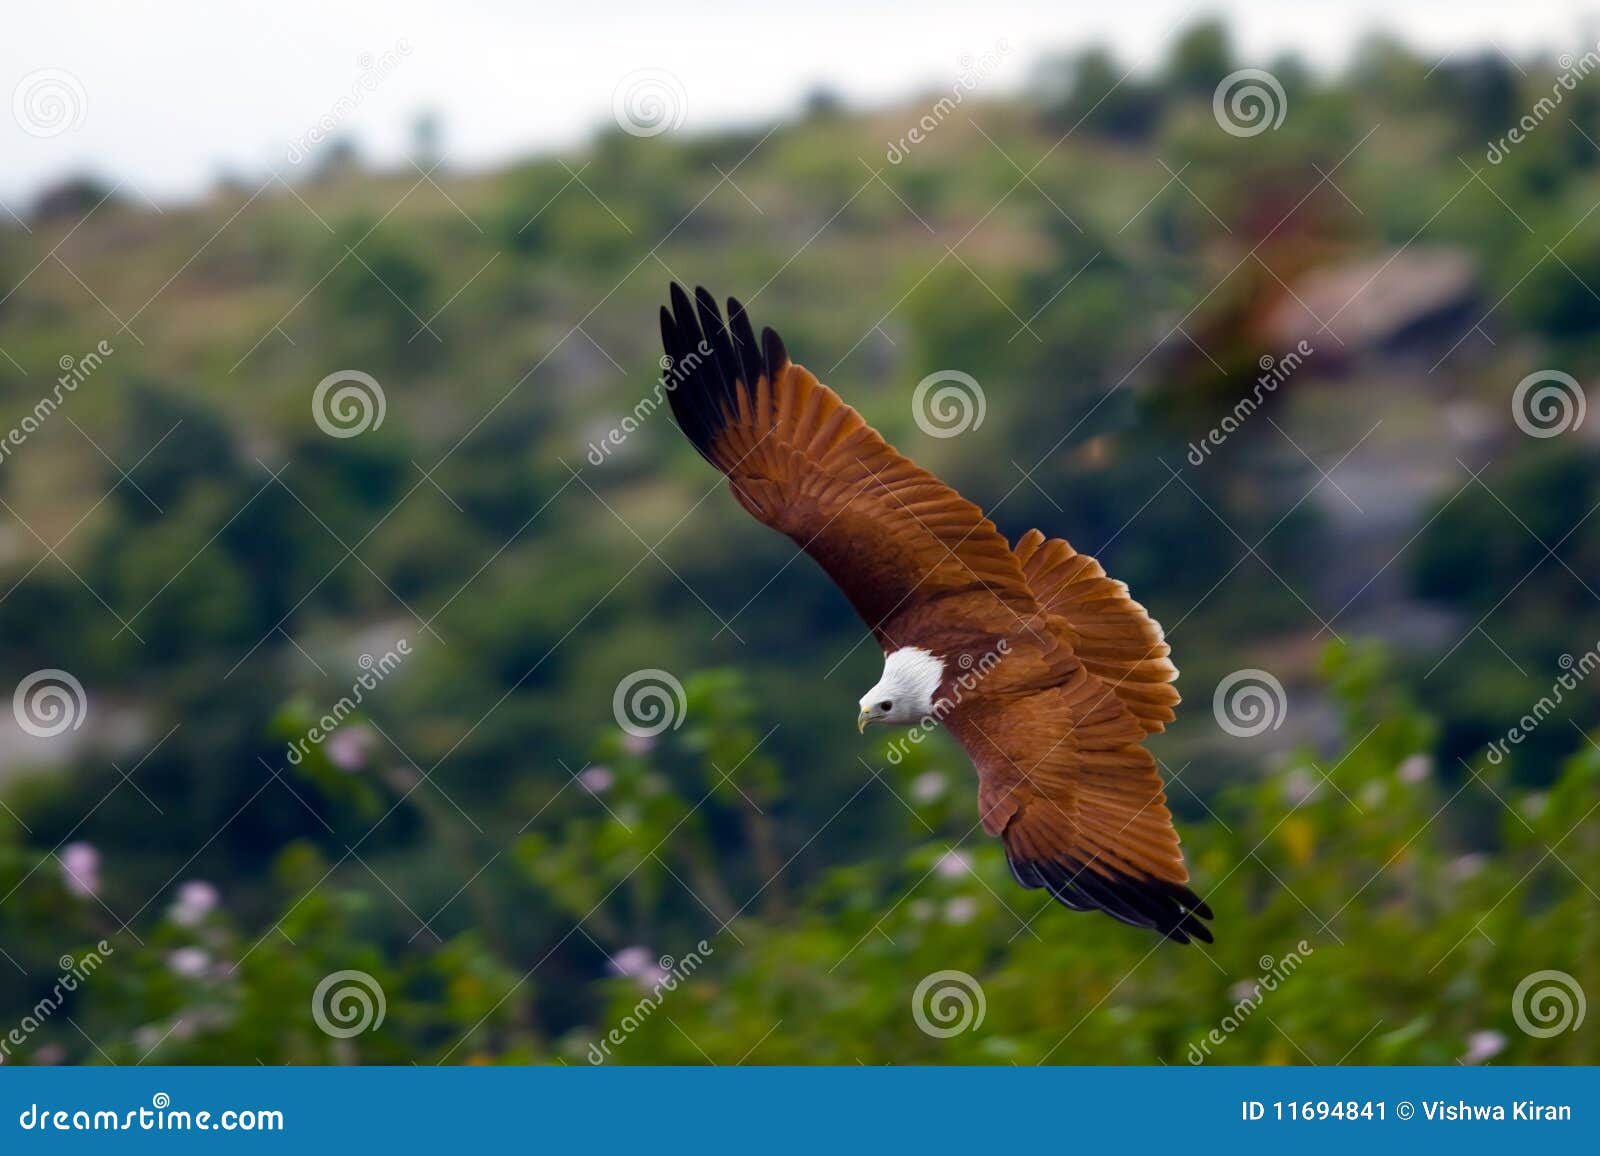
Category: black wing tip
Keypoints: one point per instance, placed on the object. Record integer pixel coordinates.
(1169, 909)
(712, 362)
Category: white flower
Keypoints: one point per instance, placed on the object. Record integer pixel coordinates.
(196, 899)
(1467, 865)
(80, 868)
(637, 744)
(927, 787)
(953, 864)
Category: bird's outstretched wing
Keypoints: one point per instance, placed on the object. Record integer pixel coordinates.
(1078, 803)
(1112, 634)
(907, 550)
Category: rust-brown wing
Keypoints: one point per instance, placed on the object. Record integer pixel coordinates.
(911, 554)
(1065, 783)
(1113, 635)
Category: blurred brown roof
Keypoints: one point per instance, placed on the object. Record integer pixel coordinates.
(1378, 301)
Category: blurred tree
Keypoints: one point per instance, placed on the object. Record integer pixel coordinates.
(1199, 58)
(1094, 91)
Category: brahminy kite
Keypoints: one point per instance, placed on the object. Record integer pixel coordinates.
(1044, 669)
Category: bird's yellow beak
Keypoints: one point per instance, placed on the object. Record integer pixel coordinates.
(862, 720)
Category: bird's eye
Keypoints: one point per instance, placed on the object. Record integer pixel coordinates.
(885, 705)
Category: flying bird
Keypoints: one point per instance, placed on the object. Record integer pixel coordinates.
(1043, 668)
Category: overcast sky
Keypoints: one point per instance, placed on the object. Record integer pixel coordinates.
(171, 94)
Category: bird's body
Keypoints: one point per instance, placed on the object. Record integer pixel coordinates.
(1042, 667)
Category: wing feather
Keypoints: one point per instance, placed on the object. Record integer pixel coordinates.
(1079, 805)
(895, 539)
(1113, 635)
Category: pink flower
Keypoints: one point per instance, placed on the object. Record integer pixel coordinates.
(638, 744)
(196, 899)
(80, 868)
(1483, 1046)
(927, 787)
(953, 865)
(596, 780)
(189, 962)
(1416, 769)
(637, 963)
(350, 747)
(1299, 785)
(961, 909)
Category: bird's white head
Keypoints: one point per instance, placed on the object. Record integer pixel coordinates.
(904, 694)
